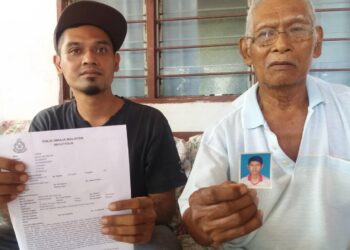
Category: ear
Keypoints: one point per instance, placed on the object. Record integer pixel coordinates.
(244, 49)
(116, 61)
(318, 44)
(57, 62)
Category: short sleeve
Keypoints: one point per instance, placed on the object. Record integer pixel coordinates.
(210, 168)
(40, 122)
(163, 166)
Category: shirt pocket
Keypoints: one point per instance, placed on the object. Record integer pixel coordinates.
(336, 183)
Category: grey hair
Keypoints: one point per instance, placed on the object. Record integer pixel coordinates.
(255, 3)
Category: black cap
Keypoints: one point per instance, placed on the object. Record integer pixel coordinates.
(93, 13)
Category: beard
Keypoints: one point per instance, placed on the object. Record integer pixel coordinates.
(92, 87)
(89, 86)
(91, 90)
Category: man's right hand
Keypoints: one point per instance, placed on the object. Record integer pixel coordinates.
(12, 180)
(221, 213)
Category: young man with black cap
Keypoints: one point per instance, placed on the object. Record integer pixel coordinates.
(86, 38)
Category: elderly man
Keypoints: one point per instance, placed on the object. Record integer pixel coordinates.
(303, 121)
(86, 38)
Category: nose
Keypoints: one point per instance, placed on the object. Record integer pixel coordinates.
(89, 58)
(282, 44)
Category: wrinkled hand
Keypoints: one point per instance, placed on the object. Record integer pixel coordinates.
(12, 180)
(225, 212)
(136, 227)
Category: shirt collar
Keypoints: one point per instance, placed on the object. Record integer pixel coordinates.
(313, 91)
(250, 179)
(252, 115)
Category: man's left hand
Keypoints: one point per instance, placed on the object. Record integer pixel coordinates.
(136, 227)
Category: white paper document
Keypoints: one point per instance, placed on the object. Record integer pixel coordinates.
(74, 175)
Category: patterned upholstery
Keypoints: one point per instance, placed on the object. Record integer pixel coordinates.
(14, 126)
(187, 151)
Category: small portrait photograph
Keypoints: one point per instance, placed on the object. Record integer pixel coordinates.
(255, 170)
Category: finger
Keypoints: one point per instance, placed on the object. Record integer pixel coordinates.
(135, 239)
(228, 183)
(11, 189)
(13, 178)
(232, 221)
(227, 208)
(253, 193)
(127, 230)
(254, 223)
(4, 199)
(217, 194)
(128, 219)
(134, 203)
(221, 210)
(11, 165)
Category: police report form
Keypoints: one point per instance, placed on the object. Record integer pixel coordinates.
(73, 175)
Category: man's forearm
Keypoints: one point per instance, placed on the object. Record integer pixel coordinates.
(164, 205)
(164, 216)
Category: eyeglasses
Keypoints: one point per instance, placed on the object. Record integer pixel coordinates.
(296, 33)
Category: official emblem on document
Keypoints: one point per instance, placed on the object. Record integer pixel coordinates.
(19, 147)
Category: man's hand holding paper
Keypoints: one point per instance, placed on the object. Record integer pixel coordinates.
(135, 227)
(71, 177)
(12, 180)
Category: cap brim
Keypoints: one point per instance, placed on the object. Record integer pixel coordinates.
(93, 13)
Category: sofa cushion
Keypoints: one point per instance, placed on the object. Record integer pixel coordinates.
(14, 126)
(187, 151)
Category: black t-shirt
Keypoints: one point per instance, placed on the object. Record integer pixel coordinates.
(154, 161)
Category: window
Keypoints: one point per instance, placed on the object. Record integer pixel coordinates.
(198, 48)
(186, 50)
(334, 63)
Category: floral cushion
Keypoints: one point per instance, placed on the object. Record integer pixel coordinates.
(14, 126)
(192, 147)
(187, 151)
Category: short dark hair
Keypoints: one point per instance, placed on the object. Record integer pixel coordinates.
(255, 158)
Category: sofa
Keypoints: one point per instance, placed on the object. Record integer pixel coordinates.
(187, 149)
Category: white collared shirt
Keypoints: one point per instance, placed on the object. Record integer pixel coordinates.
(309, 204)
(263, 182)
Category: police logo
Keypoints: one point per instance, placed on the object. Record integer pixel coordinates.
(19, 147)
